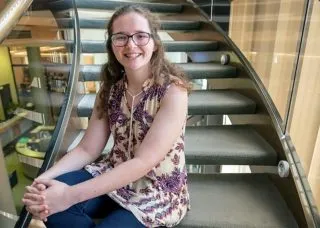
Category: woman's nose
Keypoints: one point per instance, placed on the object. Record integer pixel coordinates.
(130, 42)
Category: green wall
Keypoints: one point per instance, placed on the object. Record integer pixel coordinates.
(6, 74)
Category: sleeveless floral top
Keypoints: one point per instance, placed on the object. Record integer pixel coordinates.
(161, 197)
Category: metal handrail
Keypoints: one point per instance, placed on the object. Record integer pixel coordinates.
(10, 16)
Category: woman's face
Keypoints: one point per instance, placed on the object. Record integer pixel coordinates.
(132, 56)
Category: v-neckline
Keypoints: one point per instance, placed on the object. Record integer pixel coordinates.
(134, 106)
(146, 85)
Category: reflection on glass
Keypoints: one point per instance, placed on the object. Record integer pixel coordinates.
(268, 33)
(304, 124)
(34, 78)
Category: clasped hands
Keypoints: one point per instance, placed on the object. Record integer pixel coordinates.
(45, 197)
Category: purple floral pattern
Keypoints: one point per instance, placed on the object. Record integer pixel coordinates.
(161, 197)
(172, 182)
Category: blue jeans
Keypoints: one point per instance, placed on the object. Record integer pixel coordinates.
(81, 214)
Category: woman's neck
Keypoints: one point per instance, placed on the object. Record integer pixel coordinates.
(136, 79)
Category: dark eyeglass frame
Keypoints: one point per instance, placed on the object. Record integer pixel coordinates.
(132, 37)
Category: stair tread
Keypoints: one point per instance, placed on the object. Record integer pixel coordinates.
(201, 102)
(224, 145)
(111, 5)
(227, 145)
(235, 200)
(102, 24)
(170, 46)
(193, 71)
(212, 102)
(99, 46)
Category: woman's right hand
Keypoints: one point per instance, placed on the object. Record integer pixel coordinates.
(34, 201)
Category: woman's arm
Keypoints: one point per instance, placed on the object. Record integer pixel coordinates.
(88, 150)
(164, 131)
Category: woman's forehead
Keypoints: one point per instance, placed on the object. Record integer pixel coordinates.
(130, 23)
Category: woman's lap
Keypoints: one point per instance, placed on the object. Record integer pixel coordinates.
(80, 215)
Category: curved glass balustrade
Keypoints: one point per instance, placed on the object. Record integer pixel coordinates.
(273, 43)
(38, 65)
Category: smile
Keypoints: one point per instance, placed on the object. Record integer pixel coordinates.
(132, 55)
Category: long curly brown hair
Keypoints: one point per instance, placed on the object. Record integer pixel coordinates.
(113, 71)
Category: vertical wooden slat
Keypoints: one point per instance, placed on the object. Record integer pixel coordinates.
(285, 52)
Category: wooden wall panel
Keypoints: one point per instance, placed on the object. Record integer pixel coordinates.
(267, 33)
(306, 113)
(285, 53)
(241, 28)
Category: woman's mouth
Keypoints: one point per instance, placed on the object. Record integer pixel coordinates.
(132, 55)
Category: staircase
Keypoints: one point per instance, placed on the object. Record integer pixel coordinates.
(220, 10)
(259, 198)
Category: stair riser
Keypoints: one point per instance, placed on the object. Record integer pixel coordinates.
(102, 24)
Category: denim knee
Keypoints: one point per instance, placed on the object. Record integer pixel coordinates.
(74, 177)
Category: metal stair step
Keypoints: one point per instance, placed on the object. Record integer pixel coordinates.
(102, 24)
(201, 102)
(193, 70)
(170, 46)
(224, 145)
(214, 102)
(93, 46)
(235, 200)
(227, 145)
(112, 5)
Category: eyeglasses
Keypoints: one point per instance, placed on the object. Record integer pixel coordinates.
(139, 38)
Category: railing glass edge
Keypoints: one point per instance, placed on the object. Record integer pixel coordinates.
(65, 113)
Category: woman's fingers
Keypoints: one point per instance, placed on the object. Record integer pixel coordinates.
(29, 202)
(43, 215)
(37, 209)
(38, 186)
(40, 216)
(34, 197)
(33, 189)
(41, 187)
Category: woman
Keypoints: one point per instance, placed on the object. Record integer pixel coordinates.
(143, 103)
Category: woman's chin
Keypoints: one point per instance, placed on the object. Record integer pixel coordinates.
(133, 67)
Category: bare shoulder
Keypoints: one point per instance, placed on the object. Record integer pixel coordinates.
(175, 94)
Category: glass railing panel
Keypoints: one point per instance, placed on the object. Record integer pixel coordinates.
(304, 121)
(36, 59)
(268, 33)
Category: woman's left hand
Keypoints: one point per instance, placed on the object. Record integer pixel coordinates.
(57, 195)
